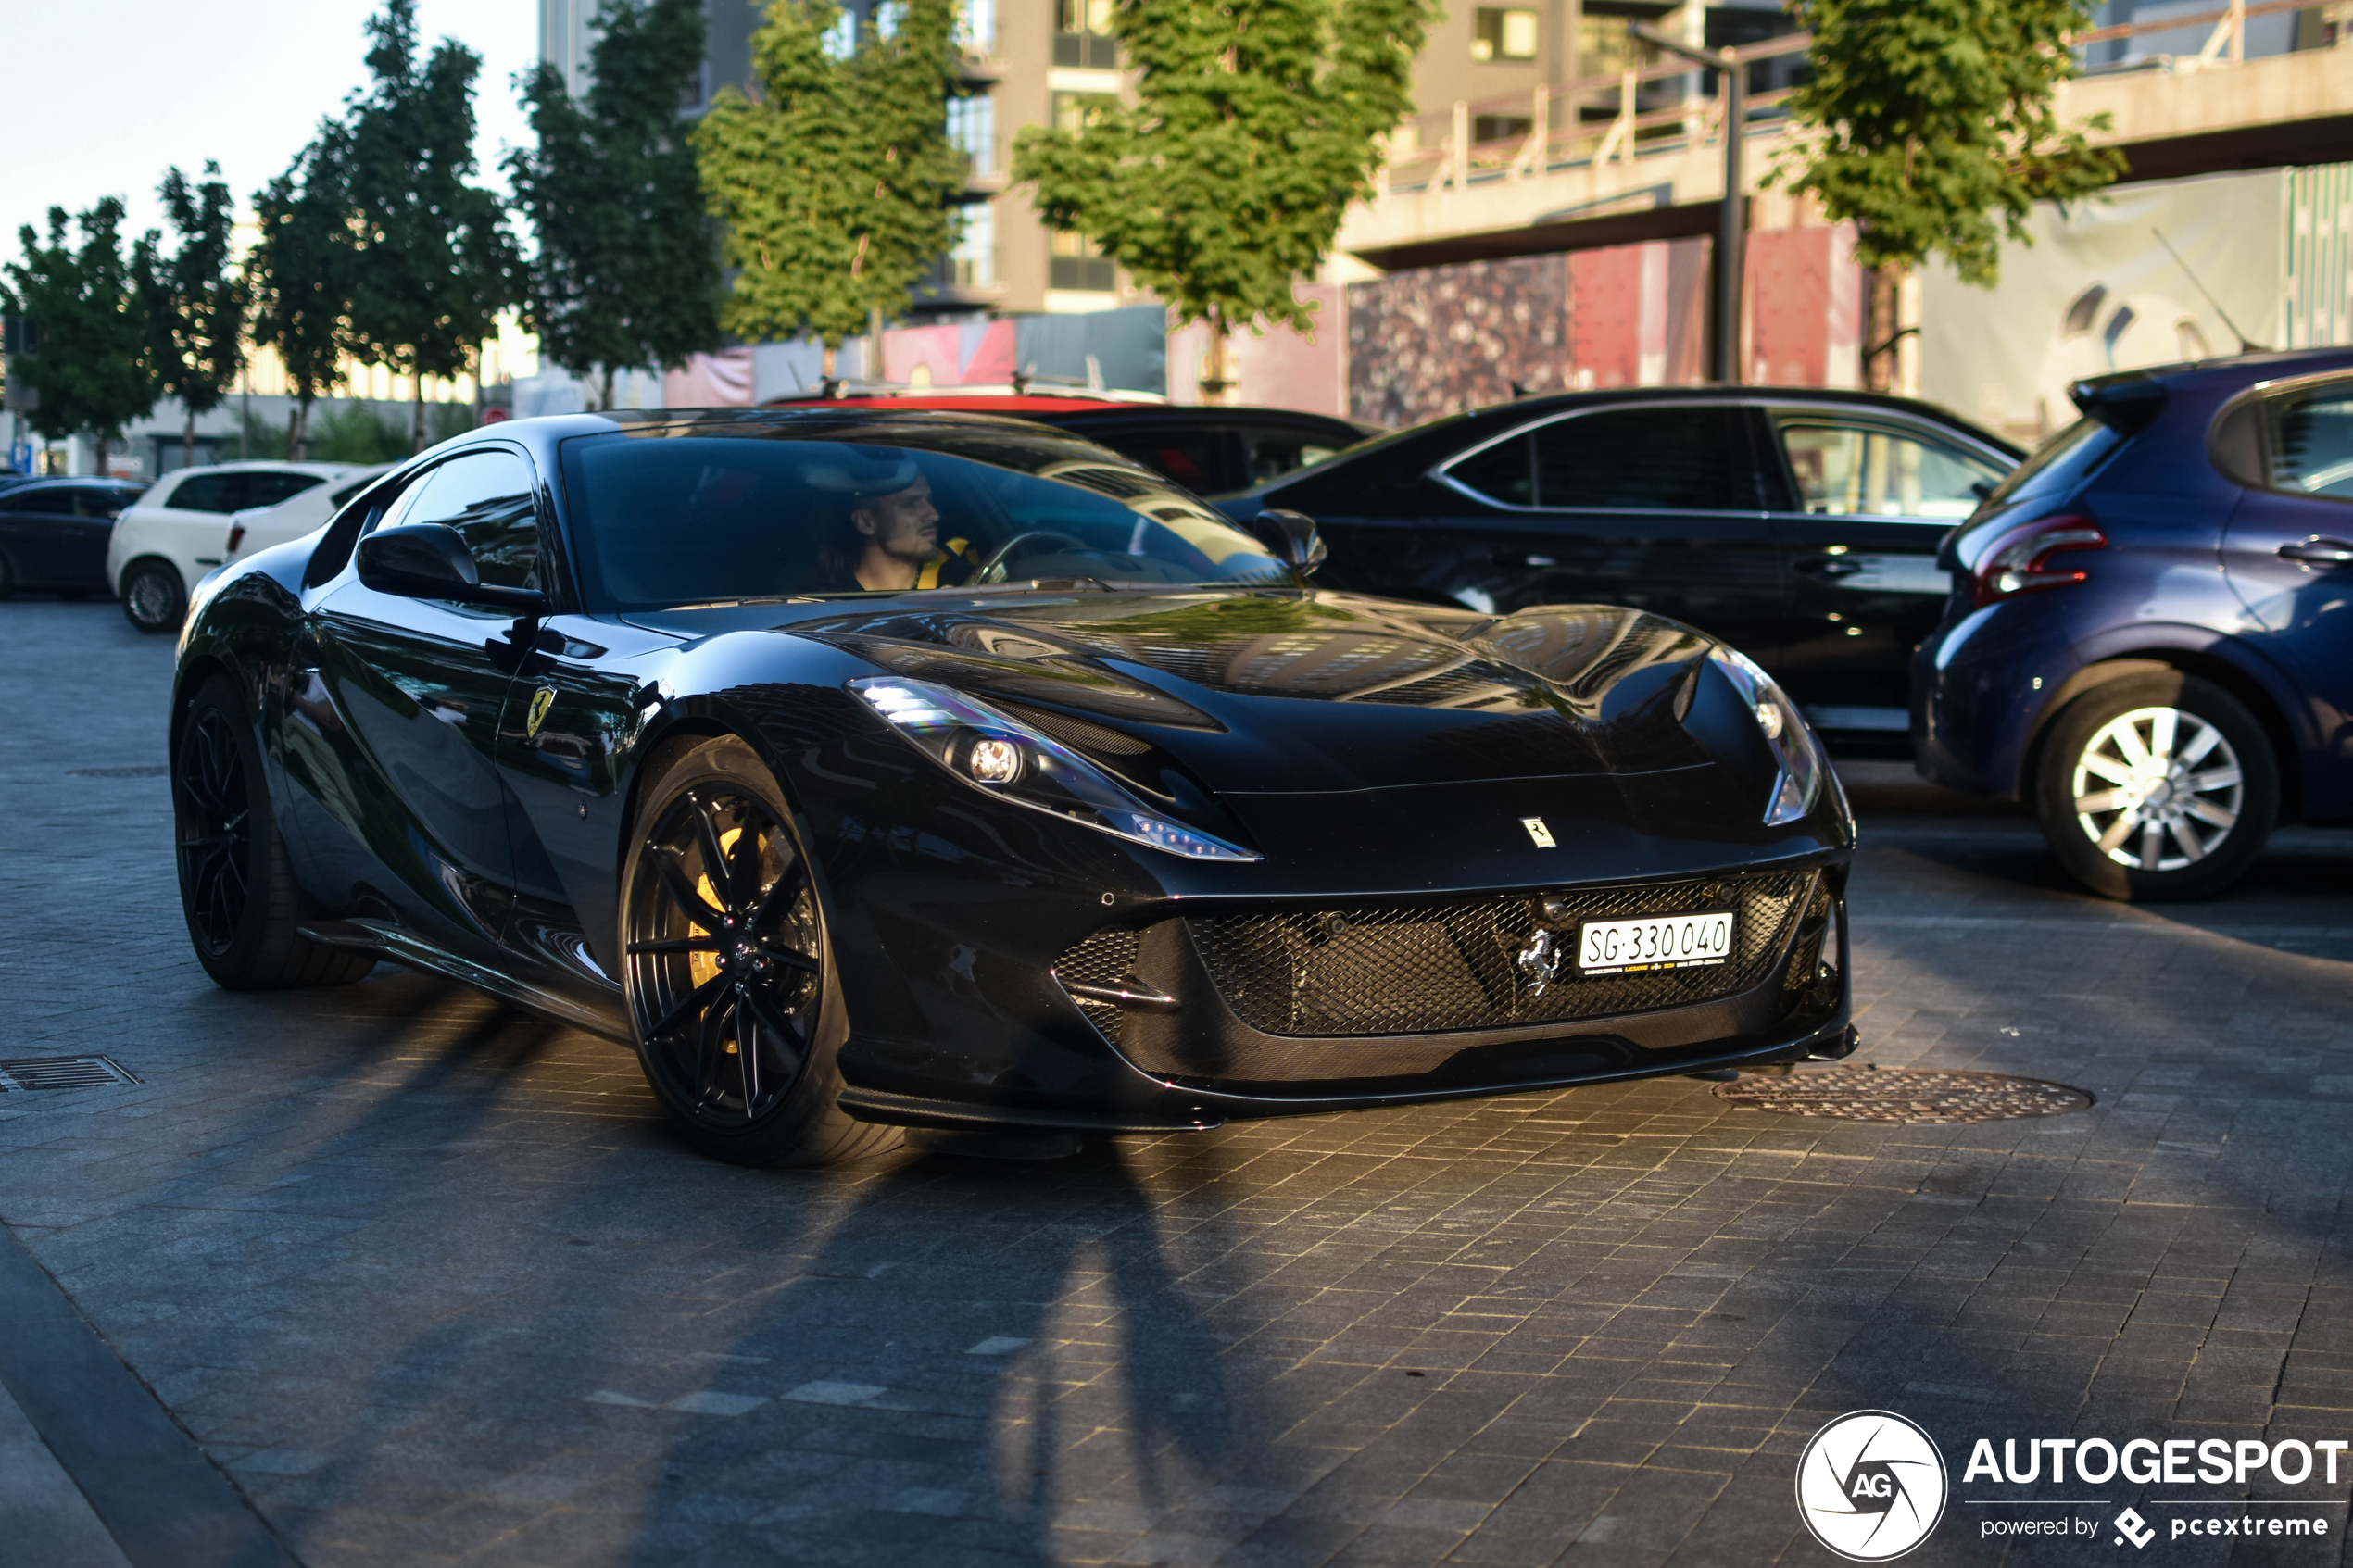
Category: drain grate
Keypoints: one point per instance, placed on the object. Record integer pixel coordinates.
(1911, 1095)
(63, 1072)
(115, 773)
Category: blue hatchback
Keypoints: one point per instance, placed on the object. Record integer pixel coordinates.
(2151, 636)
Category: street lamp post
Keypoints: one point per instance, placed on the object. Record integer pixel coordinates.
(1731, 230)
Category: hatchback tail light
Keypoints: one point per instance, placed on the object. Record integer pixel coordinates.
(2021, 562)
(236, 537)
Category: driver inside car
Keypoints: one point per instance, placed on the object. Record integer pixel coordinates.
(895, 544)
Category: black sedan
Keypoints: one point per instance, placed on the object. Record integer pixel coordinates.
(54, 533)
(1799, 526)
(868, 770)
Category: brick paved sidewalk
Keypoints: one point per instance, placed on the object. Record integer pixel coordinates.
(431, 1283)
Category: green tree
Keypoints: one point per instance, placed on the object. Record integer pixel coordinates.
(196, 301)
(1255, 124)
(627, 271)
(835, 176)
(1934, 127)
(297, 276)
(432, 263)
(94, 371)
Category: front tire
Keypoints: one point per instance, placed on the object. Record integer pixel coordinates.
(728, 968)
(236, 885)
(154, 599)
(2157, 787)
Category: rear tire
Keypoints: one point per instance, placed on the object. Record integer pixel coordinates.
(728, 967)
(2157, 787)
(236, 886)
(154, 599)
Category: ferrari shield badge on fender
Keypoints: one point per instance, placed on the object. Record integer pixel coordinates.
(1537, 831)
(541, 700)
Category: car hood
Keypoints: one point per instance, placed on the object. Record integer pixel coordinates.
(1278, 693)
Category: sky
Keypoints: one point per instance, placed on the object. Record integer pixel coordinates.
(103, 99)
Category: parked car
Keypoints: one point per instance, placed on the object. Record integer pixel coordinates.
(182, 530)
(54, 533)
(1135, 830)
(2150, 635)
(1211, 451)
(1799, 526)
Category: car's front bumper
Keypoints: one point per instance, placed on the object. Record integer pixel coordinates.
(1158, 1026)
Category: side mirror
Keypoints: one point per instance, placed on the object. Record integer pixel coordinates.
(429, 560)
(1293, 538)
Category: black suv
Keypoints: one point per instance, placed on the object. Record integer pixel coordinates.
(1800, 525)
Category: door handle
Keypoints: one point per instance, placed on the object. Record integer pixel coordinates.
(2317, 551)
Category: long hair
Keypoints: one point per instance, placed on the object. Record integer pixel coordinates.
(840, 544)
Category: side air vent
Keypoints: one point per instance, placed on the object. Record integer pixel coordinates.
(1101, 963)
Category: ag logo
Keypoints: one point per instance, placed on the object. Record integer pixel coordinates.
(1870, 1485)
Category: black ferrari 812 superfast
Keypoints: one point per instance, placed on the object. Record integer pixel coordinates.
(866, 770)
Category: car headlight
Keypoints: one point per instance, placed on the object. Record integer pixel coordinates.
(1002, 757)
(1798, 782)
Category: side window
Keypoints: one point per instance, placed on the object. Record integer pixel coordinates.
(490, 498)
(1269, 454)
(108, 503)
(2312, 442)
(1860, 468)
(1504, 472)
(1642, 460)
(210, 493)
(350, 521)
(269, 489)
(1194, 458)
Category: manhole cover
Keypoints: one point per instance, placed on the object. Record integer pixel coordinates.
(1905, 1094)
(62, 1072)
(115, 773)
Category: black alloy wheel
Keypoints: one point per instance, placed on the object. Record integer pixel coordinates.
(728, 970)
(154, 600)
(236, 885)
(215, 829)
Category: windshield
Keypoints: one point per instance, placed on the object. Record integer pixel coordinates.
(2060, 463)
(662, 516)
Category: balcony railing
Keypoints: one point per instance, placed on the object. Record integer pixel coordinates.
(1555, 128)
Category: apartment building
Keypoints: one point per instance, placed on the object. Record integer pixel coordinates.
(1043, 62)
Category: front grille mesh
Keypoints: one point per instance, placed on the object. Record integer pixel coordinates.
(1103, 959)
(1399, 971)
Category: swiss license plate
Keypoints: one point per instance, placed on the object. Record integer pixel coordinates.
(1653, 942)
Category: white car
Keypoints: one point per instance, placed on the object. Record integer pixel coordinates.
(197, 518)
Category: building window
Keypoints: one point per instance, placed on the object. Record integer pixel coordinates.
(976, 26)
(973, 261)
(1082, 34)
(1076, 262)
(1073, 112)
(840, 41)
(1605, 47)
(972, 129)
(1500, 35)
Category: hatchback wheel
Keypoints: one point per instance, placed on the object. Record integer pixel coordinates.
(728, 970)
(154, 600)
(2157, 786)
